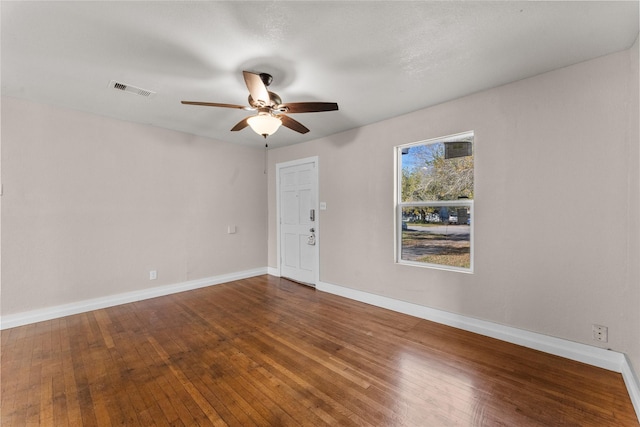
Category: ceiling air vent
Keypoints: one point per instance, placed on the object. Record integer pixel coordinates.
(131, 89)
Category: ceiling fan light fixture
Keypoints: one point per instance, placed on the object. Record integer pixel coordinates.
(271, 112)
(264, 124)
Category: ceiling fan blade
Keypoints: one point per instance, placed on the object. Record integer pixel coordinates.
(309, 107)
(292, 124)
(240, 125)
(257, 88)
(215, 104)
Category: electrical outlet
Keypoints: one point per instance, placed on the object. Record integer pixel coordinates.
(153, 275)
(600, 333)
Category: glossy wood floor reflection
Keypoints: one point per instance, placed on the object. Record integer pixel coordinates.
(269, 352)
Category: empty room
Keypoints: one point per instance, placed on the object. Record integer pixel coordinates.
(270, 213)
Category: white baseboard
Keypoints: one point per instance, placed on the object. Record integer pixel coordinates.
(272, 271)
(48, 313)
(633, 385)
(591, 355)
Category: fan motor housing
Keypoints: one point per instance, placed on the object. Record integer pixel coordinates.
(275, 100)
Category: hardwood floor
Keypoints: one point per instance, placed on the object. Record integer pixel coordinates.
(265, 351)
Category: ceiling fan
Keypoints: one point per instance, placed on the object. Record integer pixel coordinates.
(271, 112)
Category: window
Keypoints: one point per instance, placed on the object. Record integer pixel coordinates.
(434, 203)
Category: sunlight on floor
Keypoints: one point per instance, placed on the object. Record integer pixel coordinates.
(448, 384)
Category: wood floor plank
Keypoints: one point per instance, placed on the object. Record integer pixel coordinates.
(16, 390)
(196, 391)
(265, 351)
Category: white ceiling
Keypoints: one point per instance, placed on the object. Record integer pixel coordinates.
(375, 59)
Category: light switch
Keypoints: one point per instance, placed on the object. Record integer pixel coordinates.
(323, 206)
(231, 229)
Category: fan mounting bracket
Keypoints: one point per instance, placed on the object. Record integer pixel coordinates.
(266, 78)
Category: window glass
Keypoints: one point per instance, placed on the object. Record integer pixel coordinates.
(437, 235)
(435, 203)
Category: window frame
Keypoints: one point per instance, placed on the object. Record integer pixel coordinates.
(399, 205)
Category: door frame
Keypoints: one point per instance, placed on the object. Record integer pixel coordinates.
(279, 167)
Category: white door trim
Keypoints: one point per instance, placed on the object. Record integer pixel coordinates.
(283, 165)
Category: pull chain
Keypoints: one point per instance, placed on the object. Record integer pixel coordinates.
(266, 147)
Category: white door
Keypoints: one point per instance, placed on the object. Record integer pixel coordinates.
(298, 215)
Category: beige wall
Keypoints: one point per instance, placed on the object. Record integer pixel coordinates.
(556, 209)
(91, 204)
